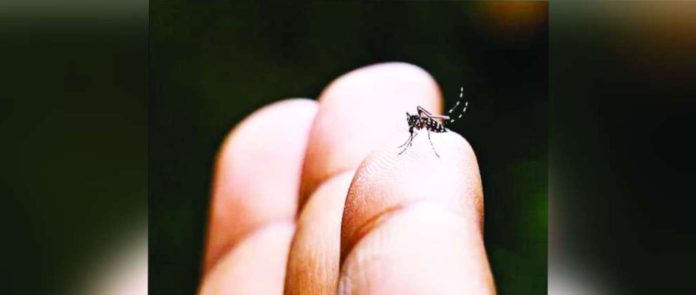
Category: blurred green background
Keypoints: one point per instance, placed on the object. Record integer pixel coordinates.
(73, 117)
(213, 63)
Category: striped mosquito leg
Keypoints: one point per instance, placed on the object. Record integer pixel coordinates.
(466, 104)
(408, 143)
(452, 109)
(432, 145)
(410, 137)
(461, 94)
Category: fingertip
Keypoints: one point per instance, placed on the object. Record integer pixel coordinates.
(265, 121)
(423, 249)
(385, 75)
(386, 182)
(412, 223)
(257, 173)
(357, 111)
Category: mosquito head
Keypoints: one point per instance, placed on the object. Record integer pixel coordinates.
(411, 119)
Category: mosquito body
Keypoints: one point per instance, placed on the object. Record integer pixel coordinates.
(430, 122)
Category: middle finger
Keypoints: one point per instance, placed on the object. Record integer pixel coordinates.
(358, 112)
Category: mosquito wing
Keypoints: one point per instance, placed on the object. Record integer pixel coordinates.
(424, 113)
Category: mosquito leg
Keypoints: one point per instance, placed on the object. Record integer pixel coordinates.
(414, 136)
(410, 138)
(432, 145)
(403, 150)
(408, 143)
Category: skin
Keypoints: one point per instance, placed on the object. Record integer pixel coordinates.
(311, 197)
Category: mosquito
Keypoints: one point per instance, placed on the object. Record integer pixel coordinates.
(431, 123)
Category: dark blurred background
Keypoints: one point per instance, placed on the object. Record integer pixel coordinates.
(73, 145)
(621, 147)
(214, 63)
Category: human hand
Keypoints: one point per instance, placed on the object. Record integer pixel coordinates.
(312, 197)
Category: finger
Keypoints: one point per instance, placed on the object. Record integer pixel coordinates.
(357, 112)
(257, 174)
(314, 257)
(413, 223)
(255, 266)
